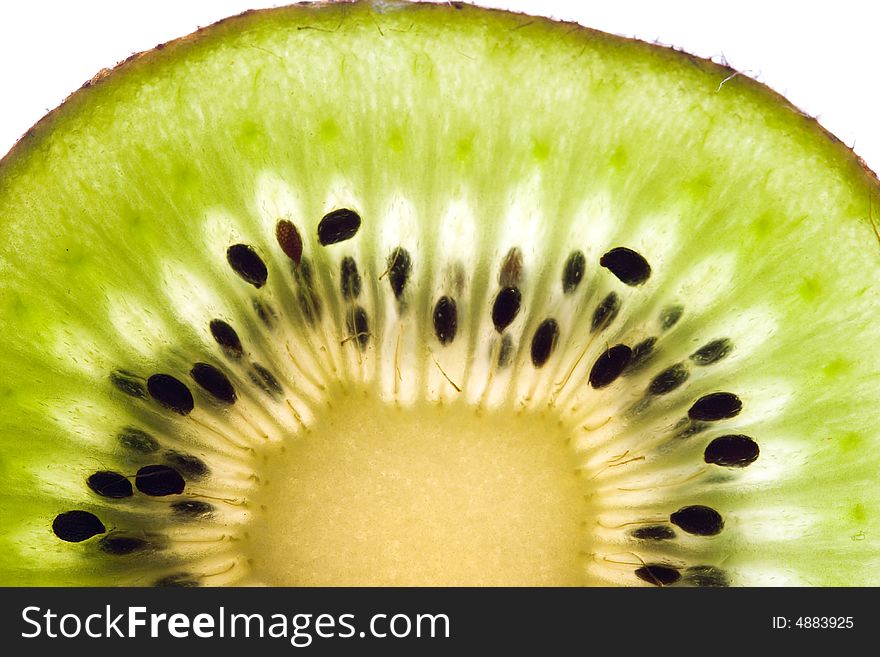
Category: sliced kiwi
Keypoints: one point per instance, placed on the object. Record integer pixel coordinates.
(413, 294)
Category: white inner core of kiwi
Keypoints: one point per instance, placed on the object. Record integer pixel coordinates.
(430, 494)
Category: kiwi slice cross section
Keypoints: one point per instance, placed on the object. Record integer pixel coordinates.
(381, 293)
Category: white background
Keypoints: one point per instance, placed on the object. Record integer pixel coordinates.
(823, 56)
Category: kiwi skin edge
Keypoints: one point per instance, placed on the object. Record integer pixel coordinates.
(602, 143)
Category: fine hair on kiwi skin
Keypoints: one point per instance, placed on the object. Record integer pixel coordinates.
(380, 293)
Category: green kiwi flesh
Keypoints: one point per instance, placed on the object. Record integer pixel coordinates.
(381, 293)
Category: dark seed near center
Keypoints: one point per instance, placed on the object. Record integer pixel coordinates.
(506, 307)
(266, 380)
(359, 327)
(338, 226)
(120, 545)
(641, 355)
(653, 533)
(698, 520)
(399, 269)
(605, 312)
(668, 380)
(247, 264)
(627, 265)
(192, 509)
(159, 480)
(544, 342)
(712, 352)
(445, 319)
(110, 484)
(658, 574)
(706, 576)
(732, 451)
(214, 382)
(715, 406)
(226, 337)
(188, 465)
(609, 366)
(171, 393)
(573, 272)
(670, 316)
(77, 526)
(350, 278)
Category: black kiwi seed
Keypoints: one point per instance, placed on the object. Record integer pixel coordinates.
(159, 480)
(338, 226)
(247, 264)
(445, 319)
(399, 269)
(110, 484)
(706, 576)
(214, 382)
(609, 365)
(289, 240)
(641, 354)
(712, 352)
(653, 533)
(359, 326)
(668, 380)
(733, 451)
(137, 440)
(698, 520)
(188, 465)
(120, 545)
(265, 380)
(573, 271)
(171, 393)
(506, 307)
(505, 351)
(669, 317)
(77, 526)
(181, 580)
(226, 337)
(627, 265)
(715, 406)
(510, 274)
(605, 312)
(658, 574)
(350, 279)
(544, 341)
(128, 383)
(192, 509)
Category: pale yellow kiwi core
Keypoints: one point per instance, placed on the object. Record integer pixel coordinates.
(431, 494)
